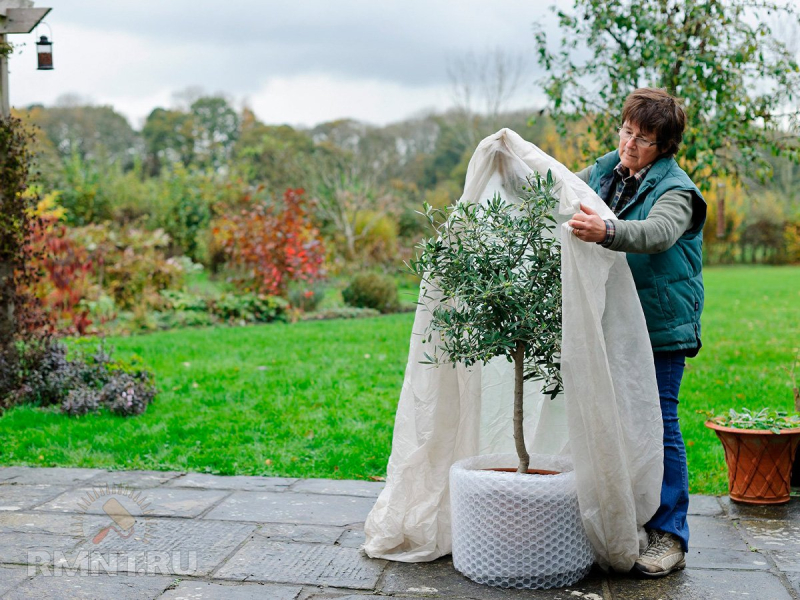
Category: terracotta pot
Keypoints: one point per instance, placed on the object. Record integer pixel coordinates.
(759, 462)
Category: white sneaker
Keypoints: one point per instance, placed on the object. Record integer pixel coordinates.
(663, 555)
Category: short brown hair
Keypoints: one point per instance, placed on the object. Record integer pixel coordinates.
(656, 112)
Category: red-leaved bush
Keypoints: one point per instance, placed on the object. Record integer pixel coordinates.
(271, 245)
(67, 271)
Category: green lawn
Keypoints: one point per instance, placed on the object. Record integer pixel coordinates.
(317, 399)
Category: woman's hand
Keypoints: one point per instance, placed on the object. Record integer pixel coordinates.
(587, 225)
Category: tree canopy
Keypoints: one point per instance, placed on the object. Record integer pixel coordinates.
(738, 81)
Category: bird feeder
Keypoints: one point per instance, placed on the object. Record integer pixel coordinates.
(44, 54)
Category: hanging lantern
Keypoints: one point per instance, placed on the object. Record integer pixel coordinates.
(44, 53)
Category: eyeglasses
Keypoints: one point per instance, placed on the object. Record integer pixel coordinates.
(626, 134)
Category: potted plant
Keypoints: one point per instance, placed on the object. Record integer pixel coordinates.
(760, 449)
(492, 280)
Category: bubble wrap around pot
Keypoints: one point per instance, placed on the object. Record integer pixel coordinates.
(518, 531)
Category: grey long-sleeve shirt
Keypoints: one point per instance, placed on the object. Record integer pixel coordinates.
(668, 220)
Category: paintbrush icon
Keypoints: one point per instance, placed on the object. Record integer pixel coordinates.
(121, 517)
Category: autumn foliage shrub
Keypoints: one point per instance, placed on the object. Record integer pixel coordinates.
(65, 267)
(271, 245)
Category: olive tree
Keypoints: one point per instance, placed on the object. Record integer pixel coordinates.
(491, 277)
(738, 80)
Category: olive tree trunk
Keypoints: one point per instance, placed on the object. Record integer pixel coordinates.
(519, 433)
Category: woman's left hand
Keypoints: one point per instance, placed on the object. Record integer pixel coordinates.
(587, 225)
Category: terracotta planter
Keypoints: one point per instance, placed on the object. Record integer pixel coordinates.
(759, 462)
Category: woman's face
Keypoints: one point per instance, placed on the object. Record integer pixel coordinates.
(631, 155)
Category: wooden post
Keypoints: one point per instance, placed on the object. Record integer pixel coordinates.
(5, 107)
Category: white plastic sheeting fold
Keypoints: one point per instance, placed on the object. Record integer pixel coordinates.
(608, 417)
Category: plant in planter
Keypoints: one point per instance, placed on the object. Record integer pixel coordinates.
(760, 448)
(492, 279)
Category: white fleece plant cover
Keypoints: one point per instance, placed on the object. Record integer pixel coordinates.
(608, 417)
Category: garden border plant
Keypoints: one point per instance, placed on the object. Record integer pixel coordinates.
(34, 367)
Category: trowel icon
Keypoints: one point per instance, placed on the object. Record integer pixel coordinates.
(121, 517)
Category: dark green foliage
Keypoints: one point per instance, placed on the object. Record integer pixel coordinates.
(82, 192)
(492, 277)
(372, 290)
(250, 308)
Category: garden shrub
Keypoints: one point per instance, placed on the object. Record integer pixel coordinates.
(248, 308)
(132, 265)
(372, 290)
(271, 245)
(306, 297)
(82, 193)
(184, 210)
(67, 271)
(44, 375)
(182, 301)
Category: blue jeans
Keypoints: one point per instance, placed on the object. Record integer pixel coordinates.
(671, 514)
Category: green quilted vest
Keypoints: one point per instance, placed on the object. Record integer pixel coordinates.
(670, 283)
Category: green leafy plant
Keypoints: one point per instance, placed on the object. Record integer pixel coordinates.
(766, 418)
(492, 278)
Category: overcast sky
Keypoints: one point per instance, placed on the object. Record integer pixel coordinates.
(300, 62)
(293, 62)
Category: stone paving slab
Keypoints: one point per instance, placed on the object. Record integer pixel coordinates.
(287, 532)
(340, 487)
(316, 564)
(18, 548)
(327, 594)
(280, 507)
(439, 579)
(77, 587)
(132, 479)
(162, 502)
(794, 581)
(721, 558)
(707, 506)
(242, 483)
(168, 546)
(788, 561)
(205, 590)
(48, 523)
(22, 497)
(773, 535)
(702, 585)
(11, 577)
(352, 538)
(714, 532)
(49, 475)
(787, 512)
(272, 537)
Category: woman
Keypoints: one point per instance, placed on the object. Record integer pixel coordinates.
(660, 222)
